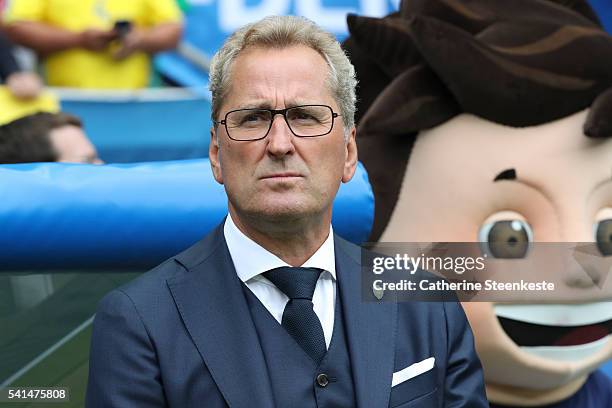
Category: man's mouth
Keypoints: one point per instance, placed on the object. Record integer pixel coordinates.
(284, 175)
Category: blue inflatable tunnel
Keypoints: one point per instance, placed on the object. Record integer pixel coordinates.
(129, 216)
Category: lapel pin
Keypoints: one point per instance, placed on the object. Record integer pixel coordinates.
(378, 293)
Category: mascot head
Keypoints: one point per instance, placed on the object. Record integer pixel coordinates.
(484, 120)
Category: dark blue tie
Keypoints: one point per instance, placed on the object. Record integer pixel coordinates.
(299, 317)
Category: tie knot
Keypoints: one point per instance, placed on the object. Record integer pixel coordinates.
(295, 282)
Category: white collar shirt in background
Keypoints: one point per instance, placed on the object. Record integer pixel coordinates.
(251, 260)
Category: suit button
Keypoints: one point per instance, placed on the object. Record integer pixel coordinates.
(322, 380)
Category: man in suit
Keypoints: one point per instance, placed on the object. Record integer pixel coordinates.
(266, 311)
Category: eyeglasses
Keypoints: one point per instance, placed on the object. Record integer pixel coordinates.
(255, 124)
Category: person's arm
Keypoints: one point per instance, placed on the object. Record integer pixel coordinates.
(22, 84)
(123, 368)
(464, 385)
(162, 37)
(46, 39)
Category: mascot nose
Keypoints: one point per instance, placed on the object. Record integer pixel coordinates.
(587, 270)
(583, 279)
(585, 267)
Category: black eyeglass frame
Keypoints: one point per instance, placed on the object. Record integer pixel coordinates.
(275, 112)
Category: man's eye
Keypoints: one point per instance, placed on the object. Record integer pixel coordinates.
(251, 119)
(303, 115)
(255, 117)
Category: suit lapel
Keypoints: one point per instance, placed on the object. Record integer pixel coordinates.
(371, 328)
(210, 299)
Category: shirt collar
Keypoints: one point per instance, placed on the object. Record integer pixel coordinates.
(251, 259)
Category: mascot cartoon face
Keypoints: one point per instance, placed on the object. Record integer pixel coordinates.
(490, 120)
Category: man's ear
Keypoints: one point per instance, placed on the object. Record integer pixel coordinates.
(350, 163)
(214, 155)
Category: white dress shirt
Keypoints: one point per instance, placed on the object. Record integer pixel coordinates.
(251, 260)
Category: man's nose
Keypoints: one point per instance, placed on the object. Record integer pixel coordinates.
(280, 137)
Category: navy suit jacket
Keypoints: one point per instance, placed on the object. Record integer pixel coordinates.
(182, 336)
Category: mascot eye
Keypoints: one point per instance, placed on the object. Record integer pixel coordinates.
(505, 238)
(603, 231)
(603, 236)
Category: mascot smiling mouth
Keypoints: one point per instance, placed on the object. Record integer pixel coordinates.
(560, 332)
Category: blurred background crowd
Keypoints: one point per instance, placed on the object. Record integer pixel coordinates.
(79, 44)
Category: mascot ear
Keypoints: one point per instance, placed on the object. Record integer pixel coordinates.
(510, 76)
(414, 101)
(599, 121)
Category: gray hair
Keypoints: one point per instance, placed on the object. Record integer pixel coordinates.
(282, 32)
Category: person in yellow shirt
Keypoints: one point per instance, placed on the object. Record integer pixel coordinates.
(95, 43)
